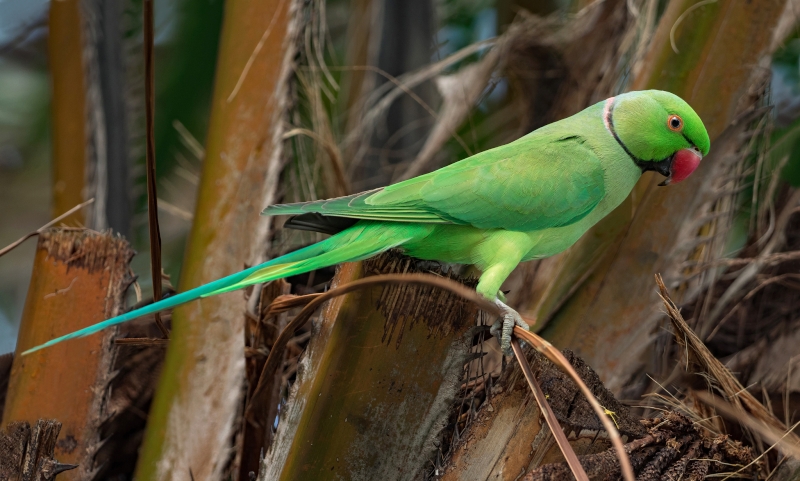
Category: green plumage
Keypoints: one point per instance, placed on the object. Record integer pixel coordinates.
(528, 199)
(548, 178)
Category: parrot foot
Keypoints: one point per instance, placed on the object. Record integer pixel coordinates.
(504, 326)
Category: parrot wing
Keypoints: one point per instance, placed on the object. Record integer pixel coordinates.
(527, 185)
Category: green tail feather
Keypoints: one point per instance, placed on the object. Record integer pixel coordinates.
(361, 241)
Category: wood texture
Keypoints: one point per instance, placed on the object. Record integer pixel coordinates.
(377, 380)
(27, 454)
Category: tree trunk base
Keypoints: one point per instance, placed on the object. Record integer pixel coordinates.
(28, 454)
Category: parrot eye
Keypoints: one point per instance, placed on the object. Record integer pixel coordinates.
(675, 123)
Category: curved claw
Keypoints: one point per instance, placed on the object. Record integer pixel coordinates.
(504, 326)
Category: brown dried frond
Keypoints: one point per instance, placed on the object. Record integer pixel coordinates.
(744, 408)
(719, 375)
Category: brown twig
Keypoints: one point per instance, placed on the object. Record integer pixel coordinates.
(275, 358)
(559, 360)
(5, 250)
(761, 285)
(152, 206)
(744, 261)
(549, 416)
(288, 302)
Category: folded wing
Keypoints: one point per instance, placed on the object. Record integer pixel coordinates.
(528, 185)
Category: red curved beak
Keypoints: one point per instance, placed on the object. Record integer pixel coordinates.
(684, 162)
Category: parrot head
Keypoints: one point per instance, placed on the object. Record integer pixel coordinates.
(659, 131)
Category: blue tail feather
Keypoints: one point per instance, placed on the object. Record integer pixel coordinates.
(343, 247)
(184, 297)
(161, 305)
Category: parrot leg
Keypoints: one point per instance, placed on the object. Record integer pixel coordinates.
(499, 256)
(504, 326)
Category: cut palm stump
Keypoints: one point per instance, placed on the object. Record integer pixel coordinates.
(79, 278)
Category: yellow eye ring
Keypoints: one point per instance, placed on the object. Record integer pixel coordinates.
(675, 123)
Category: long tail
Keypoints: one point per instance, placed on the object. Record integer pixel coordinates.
(361, 241)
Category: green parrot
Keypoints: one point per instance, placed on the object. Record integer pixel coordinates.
(529, 199)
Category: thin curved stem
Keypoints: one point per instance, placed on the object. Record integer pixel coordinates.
(559, 360)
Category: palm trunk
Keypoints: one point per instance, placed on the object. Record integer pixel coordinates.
(194, 413)
(68, 109)
(89, 112)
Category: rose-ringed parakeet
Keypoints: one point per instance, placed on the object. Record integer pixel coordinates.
(529, 199)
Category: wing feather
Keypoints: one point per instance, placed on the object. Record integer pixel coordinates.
(531, 184)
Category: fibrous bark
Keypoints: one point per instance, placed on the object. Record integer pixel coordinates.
(28, 455)
(508, 438)
(672, 449)
(508, 435)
